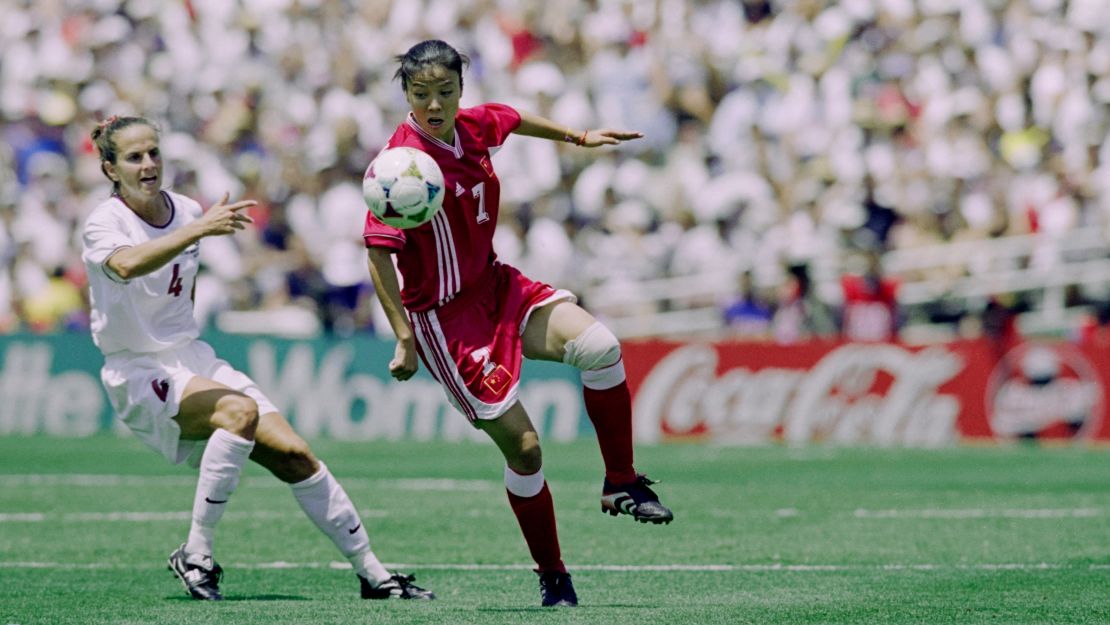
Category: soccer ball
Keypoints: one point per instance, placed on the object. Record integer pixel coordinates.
(403, 187)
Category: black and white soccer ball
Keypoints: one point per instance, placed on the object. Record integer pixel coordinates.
(403, 187)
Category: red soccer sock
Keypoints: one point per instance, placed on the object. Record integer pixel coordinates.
(610, 411)
(536, 516)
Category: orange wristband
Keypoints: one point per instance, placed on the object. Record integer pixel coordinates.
(582, 140)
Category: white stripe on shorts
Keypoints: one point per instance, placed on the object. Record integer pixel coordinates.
(434, 344)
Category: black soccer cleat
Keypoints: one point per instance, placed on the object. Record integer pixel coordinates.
(635, 498)
(398, 586)
(556, 590)
(198, 572)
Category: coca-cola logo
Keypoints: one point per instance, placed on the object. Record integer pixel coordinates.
(1041, 390)
(876, 393)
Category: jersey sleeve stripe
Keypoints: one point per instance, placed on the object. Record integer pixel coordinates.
(378, 235)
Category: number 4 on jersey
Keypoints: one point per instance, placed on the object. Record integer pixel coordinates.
(175, 281)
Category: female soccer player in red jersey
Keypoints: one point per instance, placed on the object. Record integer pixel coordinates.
(472, 319)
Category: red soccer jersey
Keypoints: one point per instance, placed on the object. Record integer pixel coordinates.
(455, 249)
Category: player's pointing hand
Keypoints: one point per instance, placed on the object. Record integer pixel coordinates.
(606, 136)
(224, 218)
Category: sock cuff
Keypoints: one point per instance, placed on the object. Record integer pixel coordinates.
(313, 479)
(231, 439)
(605, 378)
(523, 485)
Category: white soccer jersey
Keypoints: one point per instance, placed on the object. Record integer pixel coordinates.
(149, 313)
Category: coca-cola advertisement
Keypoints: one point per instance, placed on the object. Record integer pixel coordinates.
(868, 393)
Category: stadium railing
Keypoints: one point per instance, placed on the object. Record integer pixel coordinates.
(963, 272)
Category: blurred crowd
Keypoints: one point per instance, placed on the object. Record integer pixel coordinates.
(779, 136)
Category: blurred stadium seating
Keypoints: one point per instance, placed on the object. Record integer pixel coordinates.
(964, 140)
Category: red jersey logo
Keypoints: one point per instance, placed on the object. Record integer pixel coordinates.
(486, 165)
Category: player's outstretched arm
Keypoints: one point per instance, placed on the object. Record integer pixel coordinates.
(221, 218)
(404, 363)
(532, 125)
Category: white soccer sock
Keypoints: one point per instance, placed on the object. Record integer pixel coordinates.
(326, 503)
(220, 467)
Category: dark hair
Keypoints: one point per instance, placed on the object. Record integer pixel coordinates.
(427, 54)
(103, 137)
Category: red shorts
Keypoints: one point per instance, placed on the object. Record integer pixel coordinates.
(472, 345)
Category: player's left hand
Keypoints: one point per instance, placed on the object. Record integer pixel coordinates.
(606, 136)
(404, 363)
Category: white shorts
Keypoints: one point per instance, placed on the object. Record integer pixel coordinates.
(146, 389)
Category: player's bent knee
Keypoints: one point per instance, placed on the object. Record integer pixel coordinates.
(237, 414)
(529, 458)
(597, 354)
(595, 348)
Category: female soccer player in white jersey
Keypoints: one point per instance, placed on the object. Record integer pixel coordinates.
(471, 318)
(141, 248)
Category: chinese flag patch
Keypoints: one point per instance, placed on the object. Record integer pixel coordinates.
(486, 165)
(498, 379)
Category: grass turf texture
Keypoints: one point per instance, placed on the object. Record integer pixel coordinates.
(762, 535)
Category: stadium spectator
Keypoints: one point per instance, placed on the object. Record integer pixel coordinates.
(749, 314)
(1094, 329)
(472, 318)
(870, 310)
(57, 305)
(800, 314)
(141, 254)
(999, 321)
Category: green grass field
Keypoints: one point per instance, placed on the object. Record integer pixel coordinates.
(762, 535)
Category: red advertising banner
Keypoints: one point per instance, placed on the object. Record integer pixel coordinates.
(868, 393)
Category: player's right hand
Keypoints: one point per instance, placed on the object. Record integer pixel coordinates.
(404, 363)
(224, 218)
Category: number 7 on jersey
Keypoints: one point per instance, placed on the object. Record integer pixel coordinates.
(479, 192)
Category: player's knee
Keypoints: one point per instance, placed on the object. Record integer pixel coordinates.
(237, 414)
(529, 458)
(597, 354)
(595, 348)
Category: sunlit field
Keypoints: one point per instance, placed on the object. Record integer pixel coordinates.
(762, 535)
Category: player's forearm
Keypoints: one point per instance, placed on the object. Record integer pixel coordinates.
(134, 262)
(532, 125)
(389, 292)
